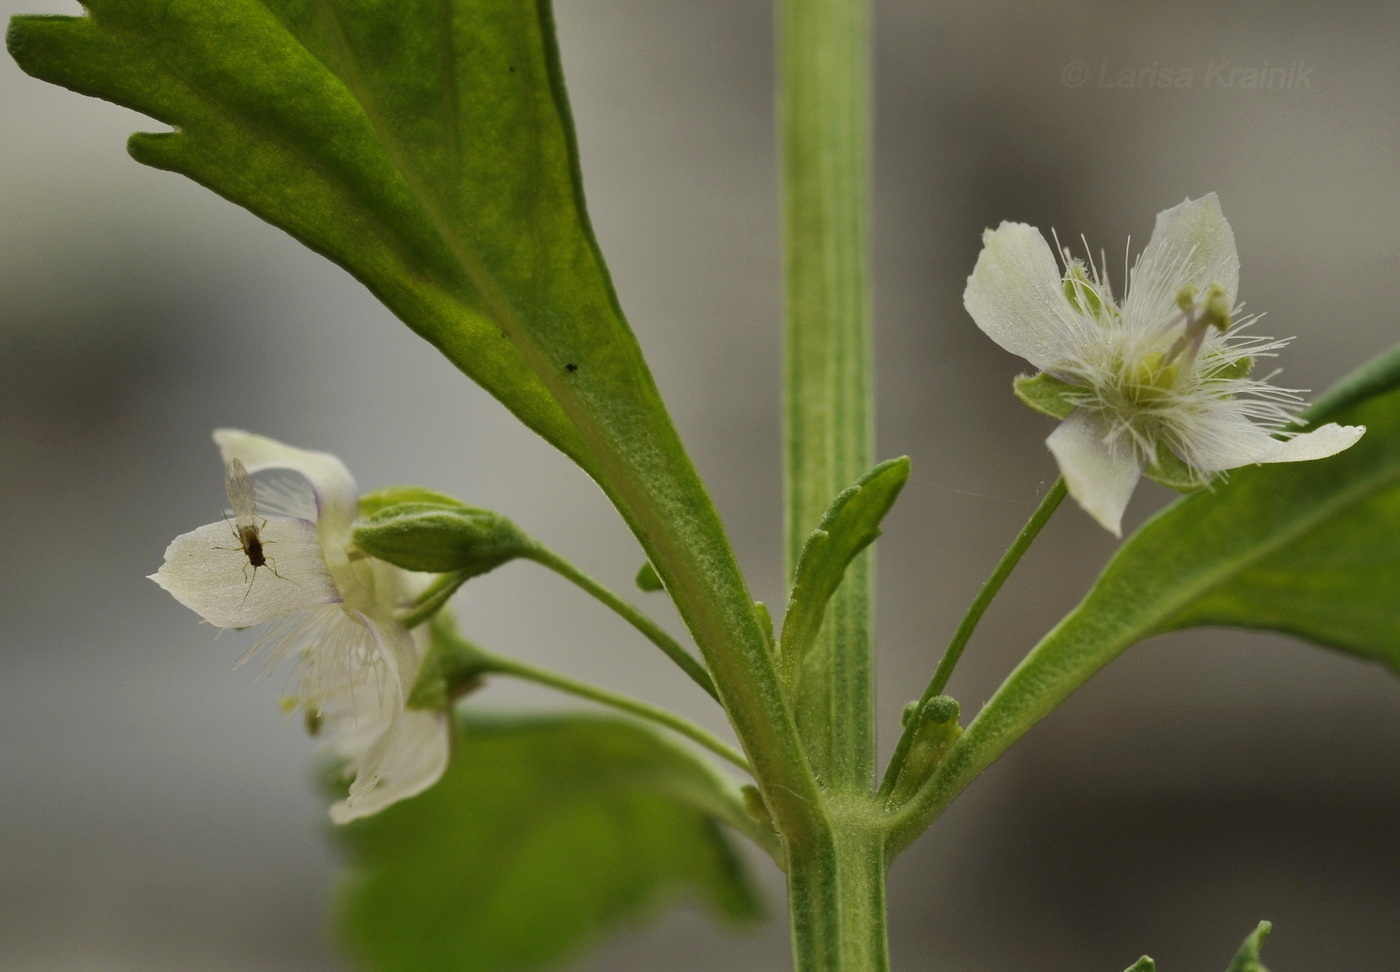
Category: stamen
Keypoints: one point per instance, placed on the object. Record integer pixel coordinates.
(1215, 313)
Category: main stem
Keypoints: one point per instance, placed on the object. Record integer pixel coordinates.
(836, 897)
(836, 877)
(825, 116)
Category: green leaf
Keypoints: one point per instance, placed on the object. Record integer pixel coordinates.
(1247, 959)
(1376, 377)
(1309, 548)
(442, 538)
(543, 833)
(647, 580)
(850, 525)
(1047, 394)
(425, 146)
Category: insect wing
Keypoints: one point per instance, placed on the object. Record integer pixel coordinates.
(241, 497)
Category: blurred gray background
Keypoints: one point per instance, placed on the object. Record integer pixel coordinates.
(157, 814)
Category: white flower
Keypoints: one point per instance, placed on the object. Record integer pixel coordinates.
(327, 607)
(1158, 379)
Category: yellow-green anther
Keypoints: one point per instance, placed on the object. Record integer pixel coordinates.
(1186, 298)
(1217, 311)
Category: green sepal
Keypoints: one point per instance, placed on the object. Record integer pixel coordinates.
(442, 538)
(452, 666)
(1047, 394)
(543, 834)
(1143, 964)
(1230, 372)
(371, 503)
(647, 579)
(1247, 959)
(849, 526)
(1077, 284)
(1169, 470)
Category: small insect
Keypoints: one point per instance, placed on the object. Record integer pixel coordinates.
(242, 499)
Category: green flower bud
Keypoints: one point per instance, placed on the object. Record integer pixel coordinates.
(935, 727)
(441, 537)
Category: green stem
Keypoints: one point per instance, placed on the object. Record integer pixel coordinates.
(836, 899)
(434, 596)
(1005, 566)
(836, 871)
(824, 104)
(623, 703)
(687, 662)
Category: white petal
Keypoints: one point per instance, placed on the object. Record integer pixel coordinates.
(337, 501)
(1015, 295)
(1191, 244)
(412, 762)
(394, 646)
(1321, 442)
(207, 571)
(396, 753)
(1221, 438)
(1100, 472)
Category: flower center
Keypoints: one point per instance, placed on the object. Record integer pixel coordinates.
(1153, 375)
(1200, 314)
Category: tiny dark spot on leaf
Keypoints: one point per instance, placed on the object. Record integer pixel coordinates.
(512, 69)
(571, 367)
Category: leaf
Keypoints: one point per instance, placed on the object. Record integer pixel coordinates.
(647, 580)
(849, 526)
(1309, 548)
(426, 146)
(1247, 959)
(543, 833)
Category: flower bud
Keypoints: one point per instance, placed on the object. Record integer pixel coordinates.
(935, 728)
(441, 537)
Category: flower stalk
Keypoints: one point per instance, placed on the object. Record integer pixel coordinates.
(1046, 509)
